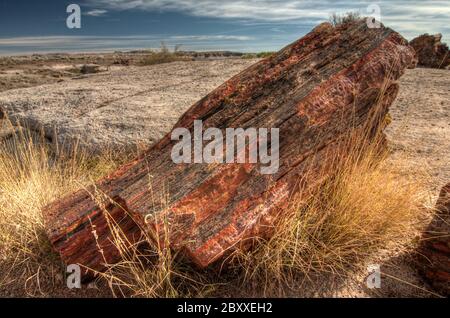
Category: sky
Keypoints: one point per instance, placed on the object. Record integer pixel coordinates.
(38, 26)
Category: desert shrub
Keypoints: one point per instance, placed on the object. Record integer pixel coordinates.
(264, 54)
(364, 208)
(259, 55)
(31, 176)
(164, 55)
(339, 19)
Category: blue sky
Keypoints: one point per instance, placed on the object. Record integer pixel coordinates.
(240, 25)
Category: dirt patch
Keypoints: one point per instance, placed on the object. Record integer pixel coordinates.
(420, 128)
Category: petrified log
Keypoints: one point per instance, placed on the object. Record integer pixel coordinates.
(315, 91)
(431, 52)
(434, 250)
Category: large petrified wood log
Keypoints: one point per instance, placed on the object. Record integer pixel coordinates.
(315, 91)
(434, 250)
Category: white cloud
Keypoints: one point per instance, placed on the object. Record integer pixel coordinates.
(269, 10)
(279, 10)
(96, 12)
(410, 17)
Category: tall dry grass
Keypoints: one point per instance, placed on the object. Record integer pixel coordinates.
(367, 206)
(31, 176)
(164, 55)
(344, 18)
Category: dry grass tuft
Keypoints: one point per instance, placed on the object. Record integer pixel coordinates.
(31, 176)
(149, 268)
(164, 55)
(337, 19)
(366, 207)
(260, 55)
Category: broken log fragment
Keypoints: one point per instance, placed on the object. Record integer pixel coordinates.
(315, 91)
(434, 251)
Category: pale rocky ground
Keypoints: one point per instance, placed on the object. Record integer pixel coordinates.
(420, 128)
(140, 104)
(124, 106)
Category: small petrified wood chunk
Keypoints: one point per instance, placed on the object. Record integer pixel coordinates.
(434, 250)
(431, 52)
(316, 91)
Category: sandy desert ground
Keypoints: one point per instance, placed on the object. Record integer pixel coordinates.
(141, 103)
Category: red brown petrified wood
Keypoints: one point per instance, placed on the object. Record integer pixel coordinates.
(315, 91)
(434, 251)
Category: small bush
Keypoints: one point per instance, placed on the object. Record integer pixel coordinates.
(365, 208)
(31, 176)
(260, 55)
(164, 55)
(339, 19)
(264, 54)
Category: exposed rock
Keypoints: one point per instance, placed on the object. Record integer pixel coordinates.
(316, 92)
(430, 51)
(434, 251)
(120, 108)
